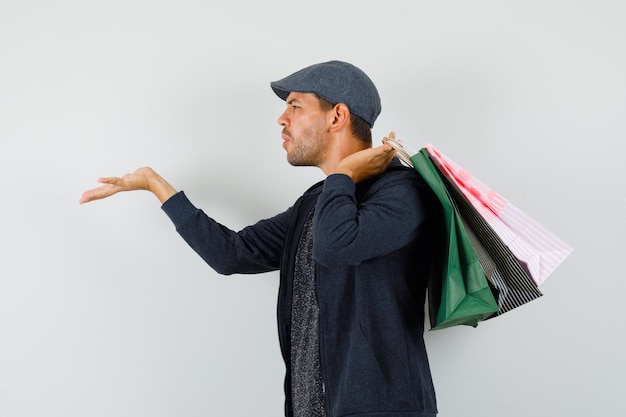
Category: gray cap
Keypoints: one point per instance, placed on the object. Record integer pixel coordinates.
(336, 82)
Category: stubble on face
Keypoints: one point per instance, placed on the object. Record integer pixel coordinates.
(308, 148)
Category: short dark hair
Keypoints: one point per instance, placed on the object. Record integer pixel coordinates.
(359, 127)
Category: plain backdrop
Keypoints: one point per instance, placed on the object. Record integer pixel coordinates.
(105, 311)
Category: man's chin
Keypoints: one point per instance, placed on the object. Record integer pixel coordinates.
(297, 162)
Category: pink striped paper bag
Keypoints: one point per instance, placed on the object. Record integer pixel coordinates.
(537, 249)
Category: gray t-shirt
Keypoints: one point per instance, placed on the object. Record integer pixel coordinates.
(307, 387)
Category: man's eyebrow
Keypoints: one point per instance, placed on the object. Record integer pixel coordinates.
(292, 100)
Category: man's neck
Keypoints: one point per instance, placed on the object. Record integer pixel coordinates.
(342, 149)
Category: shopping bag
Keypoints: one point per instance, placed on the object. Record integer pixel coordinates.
(511, 284)
(459, 293)
(538, 250)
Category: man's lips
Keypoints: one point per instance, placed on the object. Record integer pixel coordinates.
(285, 138)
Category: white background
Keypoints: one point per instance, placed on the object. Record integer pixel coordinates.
(104, 310)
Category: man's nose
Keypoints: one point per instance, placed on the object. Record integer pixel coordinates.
(282, 120)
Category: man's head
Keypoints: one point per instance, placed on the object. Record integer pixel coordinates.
(336, 82)
(325, 102)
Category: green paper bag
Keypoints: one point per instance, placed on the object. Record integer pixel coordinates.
(459, 293)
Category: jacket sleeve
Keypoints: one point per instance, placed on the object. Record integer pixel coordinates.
(349, 232)
(254, 249)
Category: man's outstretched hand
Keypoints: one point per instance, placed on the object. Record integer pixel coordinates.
(142, 179)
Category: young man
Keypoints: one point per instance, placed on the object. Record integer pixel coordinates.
(353, 252)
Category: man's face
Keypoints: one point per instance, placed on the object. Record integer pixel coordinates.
(305, 130)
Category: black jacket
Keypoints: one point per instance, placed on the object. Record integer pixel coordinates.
(371, 245)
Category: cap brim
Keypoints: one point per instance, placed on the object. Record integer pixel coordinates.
(280, 92)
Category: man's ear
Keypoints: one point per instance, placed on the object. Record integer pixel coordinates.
(340, 117)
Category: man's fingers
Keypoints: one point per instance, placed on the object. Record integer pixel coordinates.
(386, 151)
(388, 148)
(99, 193)
(110, 180)
(87, 197)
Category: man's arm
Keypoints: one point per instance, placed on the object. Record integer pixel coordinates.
(254, 249)
(347, 231)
